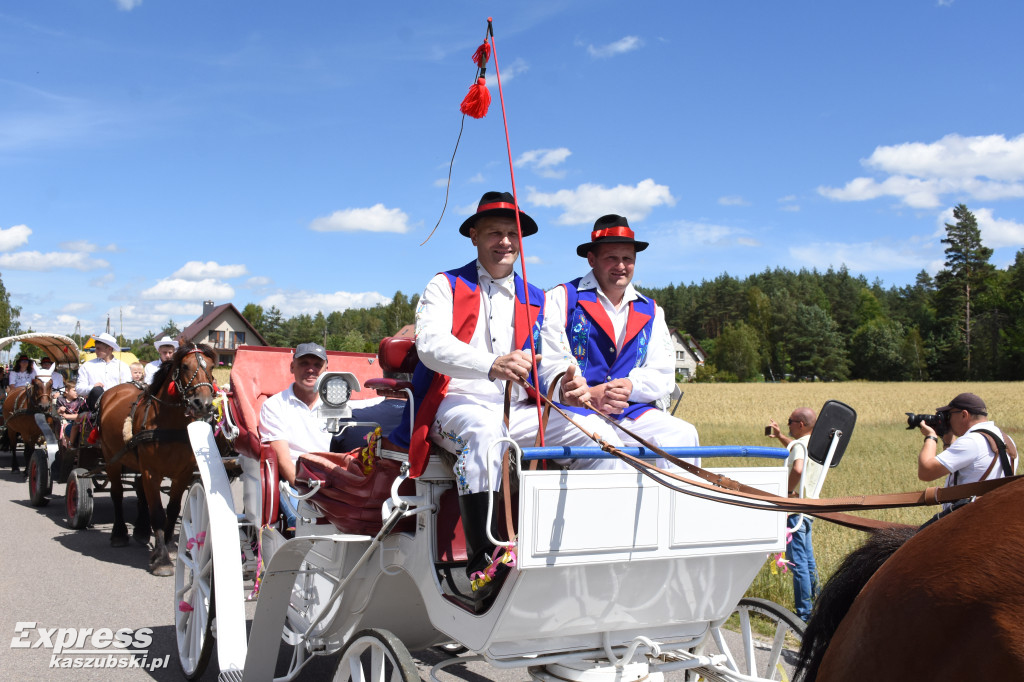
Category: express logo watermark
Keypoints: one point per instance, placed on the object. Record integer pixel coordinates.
(90, 648)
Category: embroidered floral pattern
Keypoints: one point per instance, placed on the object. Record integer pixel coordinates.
(641, 347)
(580, 338)
(460, 462)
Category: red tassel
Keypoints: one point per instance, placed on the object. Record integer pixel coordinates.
(172, 390)
(477, 100)
(93, 435)
(482, 54)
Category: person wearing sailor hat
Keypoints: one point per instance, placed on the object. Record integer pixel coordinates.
(617, 339)
(103, 371)
(473, 330)
(165, 347)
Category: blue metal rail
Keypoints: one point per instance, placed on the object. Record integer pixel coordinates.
(591, 452)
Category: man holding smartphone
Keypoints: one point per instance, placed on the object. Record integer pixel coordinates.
(801, 549)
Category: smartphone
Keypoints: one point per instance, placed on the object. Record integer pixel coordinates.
(767, 430)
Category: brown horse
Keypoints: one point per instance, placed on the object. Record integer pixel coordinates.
(941, 603)
(20, 407)
(144, 430)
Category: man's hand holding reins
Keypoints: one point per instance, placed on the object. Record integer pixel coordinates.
(574, 389)
(515, 366)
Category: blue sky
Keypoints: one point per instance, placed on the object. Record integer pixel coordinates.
(156, 154)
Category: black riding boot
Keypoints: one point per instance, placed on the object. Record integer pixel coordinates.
(479, 549)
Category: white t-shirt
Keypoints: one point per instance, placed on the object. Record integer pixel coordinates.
(96, 371)
(56, 380)
(812, 470)
(285, 417)
(971, 455)
(22, 378)
(151, 369)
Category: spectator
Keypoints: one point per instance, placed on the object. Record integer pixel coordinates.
(23, 373)
(801, 467)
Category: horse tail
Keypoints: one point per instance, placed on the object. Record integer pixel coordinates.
(838, 594)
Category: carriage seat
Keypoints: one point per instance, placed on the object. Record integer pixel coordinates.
(396, 355)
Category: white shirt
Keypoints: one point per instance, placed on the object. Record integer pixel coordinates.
(971, 455)
(812, 470)
(56, 380)
(151, 369)
(468, 363)
(285, 417)
(21, 378)
(96, 371)
(653, 379)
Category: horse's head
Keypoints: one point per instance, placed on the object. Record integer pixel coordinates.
(39, 393)
(192, 374)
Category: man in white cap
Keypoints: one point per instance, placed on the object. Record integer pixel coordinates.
(103, 371)
(289, 420)
(165, 347)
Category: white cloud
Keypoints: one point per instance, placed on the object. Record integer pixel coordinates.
(709, 234)
(377, 218)
(84, 246)
(733, 200)
(862, 257)
(13, 237)
(919, 174)
(588, 202)
(621, 46)
(516, 68)
(75, 307)
(534, 260)
(258, 281)
(995, 232)
(55, 260)
(292, 303)
(543, 161)
(128, 5)
(789, 203)
(189, 290)
(209, 270)
(479, 177)
(102, 280)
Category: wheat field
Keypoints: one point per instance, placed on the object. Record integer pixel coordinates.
(881, 456)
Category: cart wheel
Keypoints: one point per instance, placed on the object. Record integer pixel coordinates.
(193, 585)
(78, 499)
(765, 622)
(376, 655)
(39, 484)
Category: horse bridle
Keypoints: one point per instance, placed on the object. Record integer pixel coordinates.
(189, 388)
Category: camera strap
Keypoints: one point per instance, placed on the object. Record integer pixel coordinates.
(1001, 449)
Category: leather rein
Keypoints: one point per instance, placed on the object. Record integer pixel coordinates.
(729, 491)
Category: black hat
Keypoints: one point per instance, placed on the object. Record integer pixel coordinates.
(610, 229)
(966, 401)
(500, 204)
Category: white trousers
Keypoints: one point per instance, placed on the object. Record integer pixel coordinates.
(656, 427)
(470, 428)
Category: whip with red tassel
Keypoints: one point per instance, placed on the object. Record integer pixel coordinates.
(478, 99)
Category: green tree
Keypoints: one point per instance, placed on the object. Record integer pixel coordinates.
(9, 314)
(967, 268)
(816, 347)
(879, 355)
(253, 313)
(737, 351)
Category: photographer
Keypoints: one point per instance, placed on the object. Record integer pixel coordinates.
(974, 455)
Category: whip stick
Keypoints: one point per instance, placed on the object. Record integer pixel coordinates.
(519, 230)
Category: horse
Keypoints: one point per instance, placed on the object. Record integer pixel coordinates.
(144, 429)
(940, 603)
(19, 408)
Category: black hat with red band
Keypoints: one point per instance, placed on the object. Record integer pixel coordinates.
(502, 205)
(610, 229)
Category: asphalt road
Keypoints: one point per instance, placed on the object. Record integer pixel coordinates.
(53, 580)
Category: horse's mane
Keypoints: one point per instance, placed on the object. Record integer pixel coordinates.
(184, 348)
(838, 594)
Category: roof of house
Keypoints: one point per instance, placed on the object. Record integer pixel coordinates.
(200, 322)
(689, 340)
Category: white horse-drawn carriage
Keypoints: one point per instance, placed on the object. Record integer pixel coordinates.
(617, 577)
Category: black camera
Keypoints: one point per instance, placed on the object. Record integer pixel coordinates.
(939, 422)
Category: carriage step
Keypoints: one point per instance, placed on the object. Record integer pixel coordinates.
(229, 676)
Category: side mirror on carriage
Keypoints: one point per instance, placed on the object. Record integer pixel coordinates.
(334, 389)
(834, 417)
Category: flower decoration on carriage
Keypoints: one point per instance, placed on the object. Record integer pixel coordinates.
(780, 561)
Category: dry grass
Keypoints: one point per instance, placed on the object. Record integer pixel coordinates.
(881, 457)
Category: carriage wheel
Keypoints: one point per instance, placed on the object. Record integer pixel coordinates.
(376, 655)
(39, 484)
(193, 585)
(762, 621)
(78, 499)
